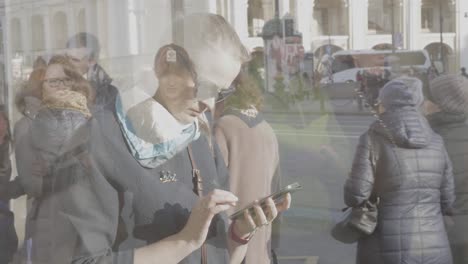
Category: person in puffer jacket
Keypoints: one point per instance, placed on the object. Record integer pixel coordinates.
(447, 108)
(51, 157)
(413, 180)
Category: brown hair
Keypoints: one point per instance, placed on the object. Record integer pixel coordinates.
(181, 62)
(80, 84)
(32, 87)
(247, 93)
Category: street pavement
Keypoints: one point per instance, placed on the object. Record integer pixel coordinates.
(316, 150)
(350, 106)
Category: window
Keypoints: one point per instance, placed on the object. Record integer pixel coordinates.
(60, 30)
(427, 18)
(382, 14)
(81, 21)
(433, 11)
(38, 37)
(324, 23)
(256, 17)
(16, 35)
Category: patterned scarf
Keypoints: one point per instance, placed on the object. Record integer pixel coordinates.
(66, 99)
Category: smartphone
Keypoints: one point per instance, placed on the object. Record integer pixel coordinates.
(277, 198)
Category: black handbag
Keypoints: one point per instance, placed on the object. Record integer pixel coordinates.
(355, 223)
(359, 221)
(364, 217)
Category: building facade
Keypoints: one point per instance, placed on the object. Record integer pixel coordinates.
(130, 31)
(365, 24)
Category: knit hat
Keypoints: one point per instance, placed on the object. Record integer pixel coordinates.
(450, 93)
(402, 91)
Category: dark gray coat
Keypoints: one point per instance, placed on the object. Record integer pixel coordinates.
(57, 139)
(454, 130)
(122, 206)
(104, 205)
(415, 184)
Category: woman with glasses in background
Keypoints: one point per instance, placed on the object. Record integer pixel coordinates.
(50, 157)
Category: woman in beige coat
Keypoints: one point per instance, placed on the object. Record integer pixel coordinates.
(250, 150)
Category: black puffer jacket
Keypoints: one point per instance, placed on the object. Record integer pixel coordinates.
(415, 184)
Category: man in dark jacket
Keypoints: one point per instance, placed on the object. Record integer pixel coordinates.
(83, 50)
(447, 106)
(412, 177)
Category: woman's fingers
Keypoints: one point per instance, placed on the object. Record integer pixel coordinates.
(218, 201)
(221, 208)
(260, 217)
(250, 221)
(270, 210)
(284, 204)
(221, 197)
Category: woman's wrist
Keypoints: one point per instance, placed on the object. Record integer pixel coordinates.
(239, 237)
(188, 243)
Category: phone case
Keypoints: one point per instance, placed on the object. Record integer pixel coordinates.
(277, 198)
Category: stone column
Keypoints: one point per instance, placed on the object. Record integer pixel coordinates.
(344, 17)
(238, 14)
(118, 30)
(91, 16)
(306, 22)
(101, 27)
(71, 14)
(284, 7)
(47, 34)
(358, 23)
(198, 6)
(268, 9)
(211, 6)
(412, 10)
(26, 30)
(462, 32)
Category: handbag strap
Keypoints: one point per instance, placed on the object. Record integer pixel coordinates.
(374, 159)
(198, 189)
(196, 175)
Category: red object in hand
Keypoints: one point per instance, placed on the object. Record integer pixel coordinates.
(235, 237)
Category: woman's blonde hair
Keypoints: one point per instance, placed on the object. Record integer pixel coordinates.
(210, 31)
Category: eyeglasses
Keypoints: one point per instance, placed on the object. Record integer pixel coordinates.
(77, 59)
(55, 82)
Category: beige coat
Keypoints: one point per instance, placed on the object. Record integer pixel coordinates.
(251, 155)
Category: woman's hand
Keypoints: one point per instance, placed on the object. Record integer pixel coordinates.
(196, 229)
(244, 227)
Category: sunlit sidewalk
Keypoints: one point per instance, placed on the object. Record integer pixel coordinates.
(313, 106)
